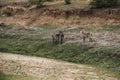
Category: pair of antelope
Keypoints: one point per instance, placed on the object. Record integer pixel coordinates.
(59, 37)
(86, 36)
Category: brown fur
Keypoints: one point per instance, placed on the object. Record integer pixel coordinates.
(58, 38)
(87, 35)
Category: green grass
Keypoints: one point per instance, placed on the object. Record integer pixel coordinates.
(35, 45)
(48, 27)
(14, 77)
(112, 28)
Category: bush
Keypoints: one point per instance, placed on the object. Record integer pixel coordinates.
(38, 2)
(104, 3)
(67, 1)
(33, 1)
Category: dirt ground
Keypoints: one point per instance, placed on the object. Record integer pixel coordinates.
(48, 69)
(54, 14)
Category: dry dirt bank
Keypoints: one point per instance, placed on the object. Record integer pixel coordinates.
(19, 14)
(48, 69)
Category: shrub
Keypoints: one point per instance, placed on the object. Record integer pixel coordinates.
(33, 1)
(38, 2)
(104, 3)
(67, 1)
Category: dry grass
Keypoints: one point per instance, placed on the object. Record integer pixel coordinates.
(47, 69)
(9, 1)
(59, 4)
(75, 4)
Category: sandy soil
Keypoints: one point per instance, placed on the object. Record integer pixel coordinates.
(48, 69)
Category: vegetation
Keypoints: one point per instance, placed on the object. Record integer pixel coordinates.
(37, 43)
(104, 3)
(67, 1)
(14, 77)
(33, 43)
(39, 2)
